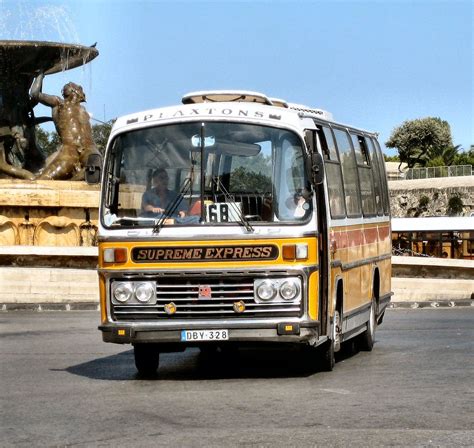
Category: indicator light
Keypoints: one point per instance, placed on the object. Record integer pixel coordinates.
(302, 251)
(293, 252)
(115, 255)
(289, 252)
(287, 328)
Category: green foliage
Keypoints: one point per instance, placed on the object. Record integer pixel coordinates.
(243, 180)
(424, 201)
(455, 205)
(465, 157)
(437, 161)
(422, 206)
(443, 156)
(417, 141)
(251, 174)
(47, 142)
(100, 134)
(391, 158)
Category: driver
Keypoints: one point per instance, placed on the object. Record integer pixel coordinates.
(155, 200)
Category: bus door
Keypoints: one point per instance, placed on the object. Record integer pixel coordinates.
(311, 139)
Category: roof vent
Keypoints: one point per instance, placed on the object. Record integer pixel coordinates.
(312, 111)
(218, 96)
(279, 103)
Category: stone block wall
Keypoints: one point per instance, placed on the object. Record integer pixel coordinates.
(48, 213)
(430, 197)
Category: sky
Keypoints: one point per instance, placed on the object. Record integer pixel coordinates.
(372, 64)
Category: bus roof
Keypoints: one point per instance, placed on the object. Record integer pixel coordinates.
(247, 96)
(228, 104)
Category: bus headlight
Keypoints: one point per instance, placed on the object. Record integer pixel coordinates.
(289, 290)
(123, 292)
(265, 290)
(144, 292)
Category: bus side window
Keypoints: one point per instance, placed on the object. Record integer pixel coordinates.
(333, 173)
(366, 180)
(383, 177)
(349, 172)
(376, 175)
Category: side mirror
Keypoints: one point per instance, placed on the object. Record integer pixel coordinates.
(314, 165)
(93, 169)
(317, 169)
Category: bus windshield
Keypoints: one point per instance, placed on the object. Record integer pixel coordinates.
(218, 173)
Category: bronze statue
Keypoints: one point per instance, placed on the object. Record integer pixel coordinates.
(20, 156)
(73, 126)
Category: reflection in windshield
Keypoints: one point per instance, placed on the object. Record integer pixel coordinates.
(243, 174)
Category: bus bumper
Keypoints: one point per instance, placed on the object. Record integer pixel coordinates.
(287, 332)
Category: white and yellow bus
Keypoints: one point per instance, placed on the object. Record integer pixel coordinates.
(237, 219)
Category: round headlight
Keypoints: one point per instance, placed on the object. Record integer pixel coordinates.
(123, 292)
(266, 290)
(289, 290)
(144, 292)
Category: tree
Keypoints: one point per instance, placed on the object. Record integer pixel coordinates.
(455, 206)
(465, 158)
(252, 174)
(391, 158)
(49, 142)
(100, 133)
(443, 156)
(417, 141)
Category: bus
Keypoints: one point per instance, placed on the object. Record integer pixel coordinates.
(435, 236)
(235, 219)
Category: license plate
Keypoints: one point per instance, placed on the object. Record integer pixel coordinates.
(204, 335)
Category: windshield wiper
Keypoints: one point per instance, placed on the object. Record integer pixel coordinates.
(132, 221)
(172, 206)
(232, 204)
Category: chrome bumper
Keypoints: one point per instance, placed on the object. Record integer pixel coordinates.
(290, 331)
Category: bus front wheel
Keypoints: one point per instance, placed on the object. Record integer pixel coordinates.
(147, 358)
(327, 358)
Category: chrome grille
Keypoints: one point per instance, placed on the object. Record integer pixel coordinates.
(184, 293)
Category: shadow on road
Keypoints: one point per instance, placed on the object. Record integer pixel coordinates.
(193, 364)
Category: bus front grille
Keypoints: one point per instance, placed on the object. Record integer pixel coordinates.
(197, 299)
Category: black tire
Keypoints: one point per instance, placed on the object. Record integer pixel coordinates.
(147, 359)
(208, 349)
(327, 359)
(367, 338)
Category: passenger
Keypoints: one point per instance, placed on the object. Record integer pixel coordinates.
(158, 198)
(298, 204)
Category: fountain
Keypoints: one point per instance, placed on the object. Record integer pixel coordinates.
(20, 62)
(37, 212)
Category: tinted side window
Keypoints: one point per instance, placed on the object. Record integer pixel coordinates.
(383, 177)
(331, 145)
(366, 181)
(333, 173)
(376, 175)
(349, 172)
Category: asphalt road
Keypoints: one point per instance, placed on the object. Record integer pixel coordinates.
(62, 386)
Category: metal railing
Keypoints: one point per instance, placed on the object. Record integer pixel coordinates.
(408, 252)
(438, 171)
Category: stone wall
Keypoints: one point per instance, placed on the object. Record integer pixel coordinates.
(430, 197)
(48, 213)
(62, 213)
